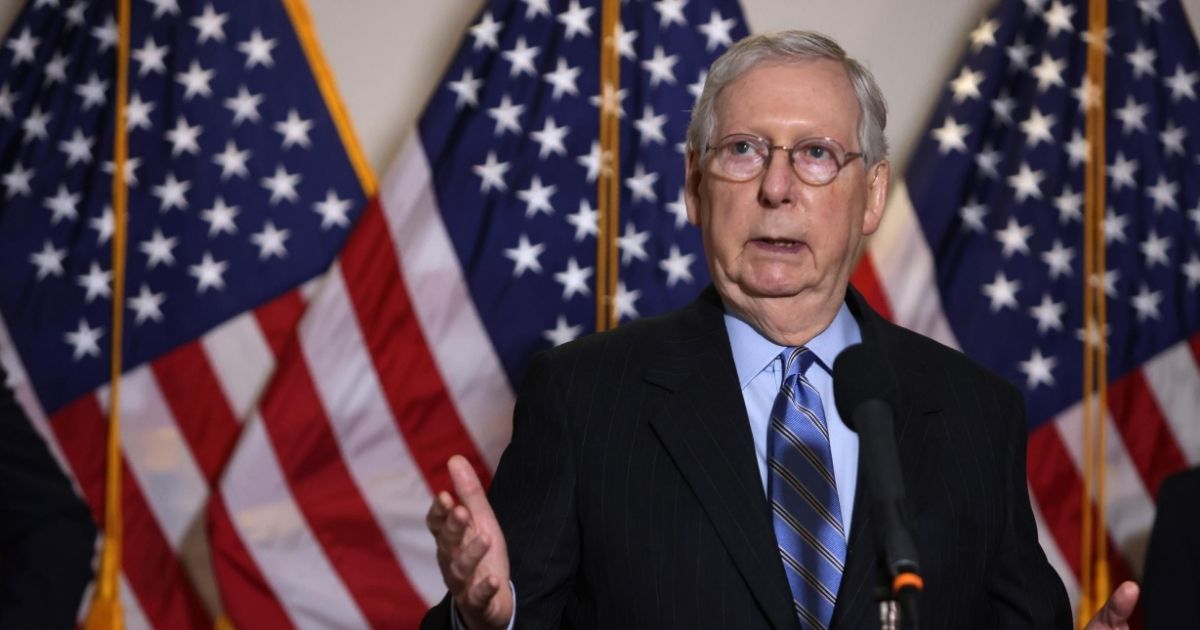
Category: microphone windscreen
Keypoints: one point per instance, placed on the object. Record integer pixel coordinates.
(857, 377)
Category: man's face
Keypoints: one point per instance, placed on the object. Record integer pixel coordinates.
(776, 236)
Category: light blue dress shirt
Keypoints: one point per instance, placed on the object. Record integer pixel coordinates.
(760, 374)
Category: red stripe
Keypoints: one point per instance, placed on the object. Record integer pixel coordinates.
(1194, 342)
(1144, 429)
(163, 590)
(415, 392)
(248, 598)
(198, 404)
(867, 282)
(278, 319)
(331, 502)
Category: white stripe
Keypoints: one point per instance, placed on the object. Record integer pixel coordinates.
(271, 526)
(241, 359)
(135, 618)
(371, 444)
(1055, 557)
(457, 339)
(1175, 382)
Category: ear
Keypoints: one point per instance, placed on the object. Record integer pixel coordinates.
(691, 186)
(877, 188)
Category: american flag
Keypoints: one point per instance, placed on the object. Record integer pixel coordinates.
(982, 247)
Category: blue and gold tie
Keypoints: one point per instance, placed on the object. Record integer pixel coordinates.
(804, 502)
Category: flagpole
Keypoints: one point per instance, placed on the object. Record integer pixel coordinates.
(608, 198)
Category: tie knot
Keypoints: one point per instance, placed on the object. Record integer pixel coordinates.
(796, 361)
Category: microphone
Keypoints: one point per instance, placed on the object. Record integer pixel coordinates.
(862, 389)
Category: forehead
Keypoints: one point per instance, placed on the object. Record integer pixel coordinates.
(812, 96)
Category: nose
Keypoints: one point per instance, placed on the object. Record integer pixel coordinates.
(778, 186)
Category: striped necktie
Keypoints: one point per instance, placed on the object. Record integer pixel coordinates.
(806, 512)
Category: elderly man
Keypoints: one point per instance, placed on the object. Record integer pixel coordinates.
(692, 470)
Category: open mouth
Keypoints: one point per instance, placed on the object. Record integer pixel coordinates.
(778, 244)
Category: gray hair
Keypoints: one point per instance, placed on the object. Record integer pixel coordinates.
(788, 46)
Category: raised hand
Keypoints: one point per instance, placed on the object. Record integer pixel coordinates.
(1117, 610)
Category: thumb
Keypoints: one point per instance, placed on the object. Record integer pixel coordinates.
(469, 489)
(1118, 609)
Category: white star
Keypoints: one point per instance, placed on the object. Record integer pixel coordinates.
(984, 35)
(103, 225)
(562, 332)
(1096, 38)
(1048, 314)
(535, 8)
(520, 59)
(1058, 259)
(85, 340)
(6, 102)
(591, 162)
(966, 85)
(641, 184)
(1037, 128)
(670, 12)
(184, 138)
(610, 100)
(210, 24)
(1114, 226)
(1146, 303)
(678, 208)
(626, 302)
(563, 79)
(1150, 10)
(78, 148)
(16, 181)
(1088, 94)
(56, 70)
(232, 161)
(697, 88)
(466, 89)
(147, 305)
(1038, 370)
(1194, 215)
(678, 266)
(585, 221)
(282, 185)
(1077, 149)
(951, 136)
(74, 15)
(1163, 193)
(1142, 60)
(1026, 183)
(486, 33)
(1172, 139)
(1132, 115)
(505, 114)
(661, 67)
(575, 20)
(650, 127)
(625, 41)
(333, 210)
(988, 160)
(209, 274)
(574, 279)
(257, 50)
(525, 256)
(220, 217)
(270, 241)
(24, 47)
(492, 172)
(1002, 292)
(1003, 107)
(1049, 72)
(96, 283)
(1058, 18)
(717, 31)
(137, 113)
(550, 139)
(1191, 269)
(159, 249)
(1154, 248)
(1108, 281)
(164, 7)
(294, 130)
(106, 34)
(1122, 171)
(49, 261)
(633, 244)
(92, 92)
(195, 81)
(1014, 238)
(172, 193)
(35, 124)
(537, 197)
(1182, 84)
(63, 205)
(1018, 54)
(244, 106)
(1070, 206)
(150, 57)
(972, 216)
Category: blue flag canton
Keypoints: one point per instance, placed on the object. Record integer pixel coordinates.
(512, 139)
(239, 185)
(997, 184)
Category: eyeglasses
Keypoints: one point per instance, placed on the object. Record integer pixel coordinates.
(816, 161)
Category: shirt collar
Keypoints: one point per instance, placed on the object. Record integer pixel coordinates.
(753, 352)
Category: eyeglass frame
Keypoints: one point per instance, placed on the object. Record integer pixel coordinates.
(760, 142)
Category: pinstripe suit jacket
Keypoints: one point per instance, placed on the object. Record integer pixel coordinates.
(630, 496)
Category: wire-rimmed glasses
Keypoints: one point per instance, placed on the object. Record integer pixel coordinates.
(816, 161)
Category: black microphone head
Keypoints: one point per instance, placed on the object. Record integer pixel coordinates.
(858, 377)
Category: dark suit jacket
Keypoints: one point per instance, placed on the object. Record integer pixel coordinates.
(630, 496)
(1172, 581)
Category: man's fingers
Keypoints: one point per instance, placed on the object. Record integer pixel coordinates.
(481, 593)
(438, 510)
(1117, 610)
(468, 488)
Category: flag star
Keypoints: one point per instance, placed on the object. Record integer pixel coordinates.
(574, 279)
(520, 58)
(78, 148)
(563, 79)
(184, 137)
(172, 193)
(1142, 60)
(1151, 10)
(258, 50)
(951, 136)
(966, 85)
(717, 31)
(1096, 37)
(195, 81)
(591, 161)
(1163, 193)
(1172, 139)
(220, 217)
(1034, 7)
(1026, 183)
(1132, 115)
(333, 210)
(1077, 149)
(697, 88)
(294, 130)
(1037, 128)
(1122, 171)
(35, 124)
(1191, 269)
(49, 261)
(466, 89)
(1194, 215)
(129, 173)
(626, 302)
(1087, 93)
(678, 208)
(661, 67)
(6, 102)
(536, 8)
(633, 244)
(585, 221)
(1108, 281)
(1058, 259)
(505, 114)
(106, 34)
(56, 70)
(609, 100)
(270, 241)
(550, 139)
(63, 205)
(150, 57)
(1146, 303)
(103, 225)
(678, 266)
(1018, 54)
(1048, 314)
(984, 35)
(988, 160)
(641, 184)
(282, 185)
(96, 283)
(244, 106)
(1003, 107)
(1002, 292)
(670, 12)
(492, 172)
(159, 249)
(137, 113)
(1014, 238)
(210, 24)
(147, 305)
(525, 256)
(232, 161)
(16, 181)
(45, 3)
(1114, 226)
(486, 33)
(92, 92)
(1182, 84)
(1038, 370)
(575, 20)
(209, 274)
(164, 7)
(85, 340)
(537, 197)
(23, 46)
(74, 15)
(1070, 206)
(1154, 248)
(972, 216)
(625, 41)
(562, 332)
(1049, 72)
(650, 127)
(1058, 18)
